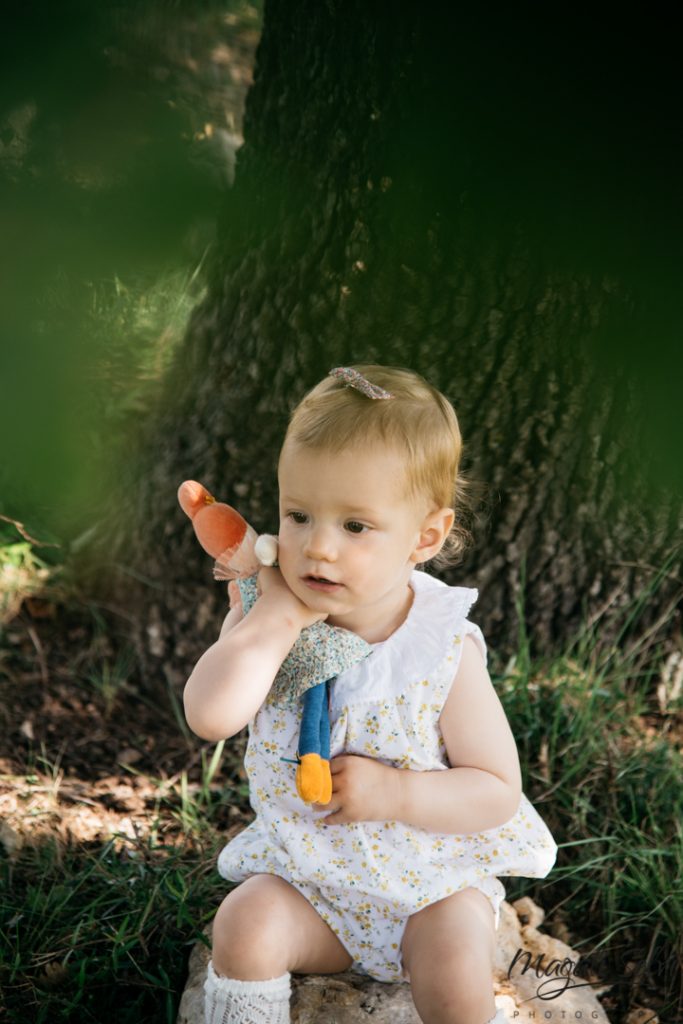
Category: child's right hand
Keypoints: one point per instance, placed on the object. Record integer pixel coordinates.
(271, 584)
(232, 678)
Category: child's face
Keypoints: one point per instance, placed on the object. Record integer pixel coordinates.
(348, 535)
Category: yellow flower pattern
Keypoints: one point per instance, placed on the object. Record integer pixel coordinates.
(365, 879)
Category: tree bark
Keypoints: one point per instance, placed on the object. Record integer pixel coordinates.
(462, 198)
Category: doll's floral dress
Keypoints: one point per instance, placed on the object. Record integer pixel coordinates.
(365, 879)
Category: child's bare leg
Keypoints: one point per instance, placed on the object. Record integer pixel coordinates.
(265, 927)
(448, 950)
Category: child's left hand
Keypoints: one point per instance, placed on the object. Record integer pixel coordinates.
(363, 789)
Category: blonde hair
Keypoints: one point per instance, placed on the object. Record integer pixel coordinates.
(418, 422)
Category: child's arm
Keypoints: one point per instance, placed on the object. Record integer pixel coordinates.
(483, 788)
(232, 678)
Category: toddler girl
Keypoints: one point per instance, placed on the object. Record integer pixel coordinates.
(396, 877)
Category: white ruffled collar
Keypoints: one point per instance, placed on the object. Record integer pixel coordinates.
(415, 648)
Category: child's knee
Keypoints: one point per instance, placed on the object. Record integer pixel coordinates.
(452, 983)
(250, 932)
(454, 937)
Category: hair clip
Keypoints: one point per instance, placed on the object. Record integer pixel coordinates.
(354, 379)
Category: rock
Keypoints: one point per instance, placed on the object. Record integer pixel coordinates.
(11, 840)
(542, 978)
(129, 755)
(191, 1009)
(528, 912)
(641, 1015)
(348, 998)
(527, 987)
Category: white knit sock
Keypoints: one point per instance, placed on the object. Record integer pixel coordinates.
(230, 1001)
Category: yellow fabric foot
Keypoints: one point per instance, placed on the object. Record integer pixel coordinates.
(326, 788)
(310, 778)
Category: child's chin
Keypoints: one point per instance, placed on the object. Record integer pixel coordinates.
(341, 619)
(335, 614)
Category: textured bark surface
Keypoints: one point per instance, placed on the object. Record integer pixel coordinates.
(432, 195)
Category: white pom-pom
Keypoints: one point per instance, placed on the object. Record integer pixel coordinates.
(265, 549)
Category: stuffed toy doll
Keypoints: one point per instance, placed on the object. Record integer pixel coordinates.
(320, 654)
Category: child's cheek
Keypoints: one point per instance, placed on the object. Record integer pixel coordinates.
(285, 558)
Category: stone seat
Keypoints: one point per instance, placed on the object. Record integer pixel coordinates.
(350, 998)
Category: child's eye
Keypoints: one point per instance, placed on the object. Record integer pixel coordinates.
(298, 517)
(354, 527)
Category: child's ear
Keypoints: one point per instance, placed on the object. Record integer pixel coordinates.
(435, 528)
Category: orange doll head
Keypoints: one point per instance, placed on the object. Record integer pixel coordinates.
(225, 534)
(219, 527)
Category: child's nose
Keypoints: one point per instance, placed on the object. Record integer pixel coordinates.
(320, 545)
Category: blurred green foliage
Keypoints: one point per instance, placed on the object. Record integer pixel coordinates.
(115, 149)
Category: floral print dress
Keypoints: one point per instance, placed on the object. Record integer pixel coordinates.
(365, 879)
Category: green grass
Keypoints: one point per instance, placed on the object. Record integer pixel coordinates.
(112, 924)
(136, 325)
(603, 768)
(23, 573)
(110, 927)
(119, 334)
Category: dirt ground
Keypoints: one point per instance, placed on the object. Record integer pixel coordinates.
(84, 752)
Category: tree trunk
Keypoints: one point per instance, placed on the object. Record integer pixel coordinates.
(463, 198)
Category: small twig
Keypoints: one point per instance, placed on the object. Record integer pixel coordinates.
(62, 793)
(77, 799)
(27, 536)
(654, 628)
(651, 568)
(607, 603)
(128, 570)
(644, 964)
(35, 639)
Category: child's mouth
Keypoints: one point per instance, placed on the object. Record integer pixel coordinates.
(321, 583)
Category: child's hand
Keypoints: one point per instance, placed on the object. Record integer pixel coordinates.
(271, 583)
(363, 789)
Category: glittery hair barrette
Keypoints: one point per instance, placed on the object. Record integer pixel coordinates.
(354, 379)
